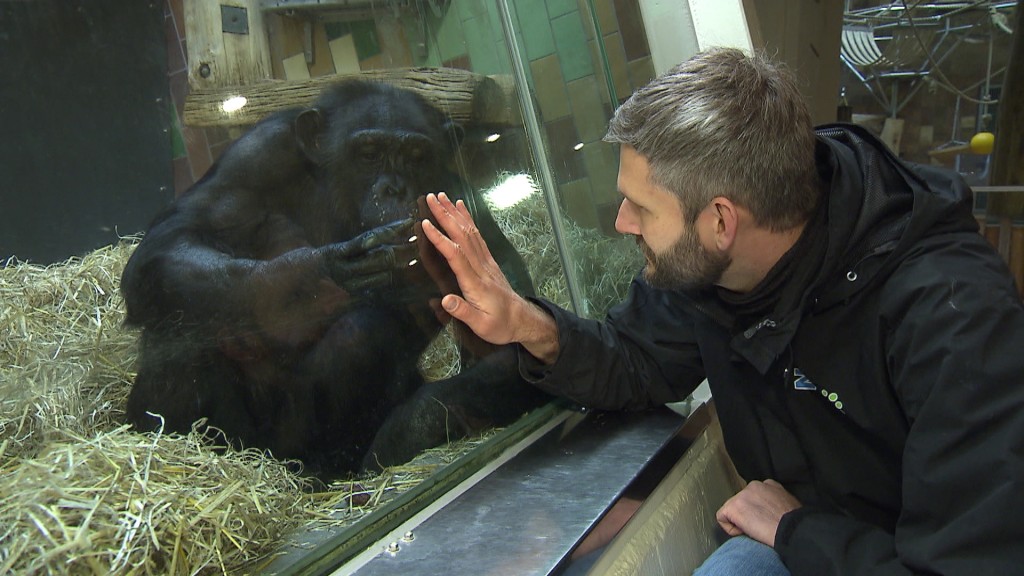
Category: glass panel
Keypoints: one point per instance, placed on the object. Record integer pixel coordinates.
(249, 304)
(581, 59)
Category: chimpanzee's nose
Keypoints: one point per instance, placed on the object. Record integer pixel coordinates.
(390, 186)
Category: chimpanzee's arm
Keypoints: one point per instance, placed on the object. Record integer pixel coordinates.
(217, 261)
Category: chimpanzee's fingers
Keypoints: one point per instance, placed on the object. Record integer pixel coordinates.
(360, 284)
(365, 271)
(396, 232)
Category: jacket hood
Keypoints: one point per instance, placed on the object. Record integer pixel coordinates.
(896, 205)
(877, 208)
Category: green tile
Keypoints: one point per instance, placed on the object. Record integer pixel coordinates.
(641, 72)
(549, 88)
(506, 62)
(364, 35)
(536, 28)
(413, 30)
(468, 9)
(336, 30)
(494, 18)
(579, 205)
(588, 111)
(619, 68)
(563, 150)
(482, 48)
(558, 8)
(601, 161)
(450, 41)
(606, 18)
(177, 142)
(571, 42)
(601, 73)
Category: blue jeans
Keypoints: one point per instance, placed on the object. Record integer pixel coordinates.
(742, 556)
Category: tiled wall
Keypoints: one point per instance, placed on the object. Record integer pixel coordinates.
(570, 79)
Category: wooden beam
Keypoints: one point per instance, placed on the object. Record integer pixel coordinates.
(1008, 155)
(465, 96)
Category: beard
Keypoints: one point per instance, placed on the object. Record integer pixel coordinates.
(685, 265)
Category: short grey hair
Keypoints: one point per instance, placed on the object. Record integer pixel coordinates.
(726, 124)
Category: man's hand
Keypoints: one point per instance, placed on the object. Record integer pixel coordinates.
(756, 511)
(488, 305)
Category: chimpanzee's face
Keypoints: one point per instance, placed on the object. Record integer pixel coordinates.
(392, 167)
(384, 150)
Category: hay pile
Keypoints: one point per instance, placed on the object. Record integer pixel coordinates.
(81, 493)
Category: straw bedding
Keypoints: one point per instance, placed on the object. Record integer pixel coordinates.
(80, 493)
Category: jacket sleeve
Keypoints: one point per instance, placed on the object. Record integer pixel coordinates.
(644, 354)
(954, 344)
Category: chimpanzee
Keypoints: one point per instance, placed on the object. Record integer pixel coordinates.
(285, 299)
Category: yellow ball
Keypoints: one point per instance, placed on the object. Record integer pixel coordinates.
(982, 143)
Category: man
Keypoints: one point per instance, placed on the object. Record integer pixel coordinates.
(863, 343)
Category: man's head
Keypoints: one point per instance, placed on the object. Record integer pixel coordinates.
(721, 126)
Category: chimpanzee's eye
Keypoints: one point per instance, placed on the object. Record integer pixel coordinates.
(368, 153)
(418, 154)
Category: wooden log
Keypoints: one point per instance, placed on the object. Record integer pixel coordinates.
(465, 96)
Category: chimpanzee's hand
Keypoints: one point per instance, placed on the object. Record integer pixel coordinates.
(371, 260)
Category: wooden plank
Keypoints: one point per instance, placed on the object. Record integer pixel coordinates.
(295, 67)
(465, 96)
(947, 155)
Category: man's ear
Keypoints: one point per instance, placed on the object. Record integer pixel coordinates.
(725, 217)
(309, 126)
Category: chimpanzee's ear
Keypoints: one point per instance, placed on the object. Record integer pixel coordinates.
(309, 125)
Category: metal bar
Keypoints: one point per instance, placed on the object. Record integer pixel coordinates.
(863, 80)
(526, 517)
(913, 91)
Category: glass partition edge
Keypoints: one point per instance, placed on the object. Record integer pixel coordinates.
(332, 554)
(544, 171)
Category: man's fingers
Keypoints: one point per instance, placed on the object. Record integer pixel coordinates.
(726, 524)
(457, 223)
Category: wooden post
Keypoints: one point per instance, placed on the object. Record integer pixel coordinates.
(219, 58)
(1008, 155)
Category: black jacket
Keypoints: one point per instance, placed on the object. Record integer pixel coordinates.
(888, 395)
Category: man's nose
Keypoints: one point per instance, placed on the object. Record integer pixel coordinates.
(625, 220)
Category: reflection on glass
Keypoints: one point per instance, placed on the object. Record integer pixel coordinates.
(165, 502)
